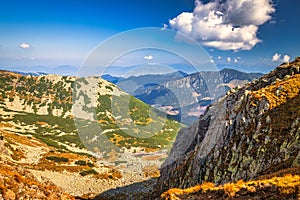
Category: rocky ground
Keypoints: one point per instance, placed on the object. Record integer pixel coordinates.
(17, 183)
(29, 158)
(87, 186)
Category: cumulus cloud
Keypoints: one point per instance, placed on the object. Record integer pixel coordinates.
(276, 57)
(165, 27)
(24, 45)
(226, 24)
(286, 58)
(149, 57)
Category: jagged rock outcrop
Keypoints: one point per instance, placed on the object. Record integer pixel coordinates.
(249, 132)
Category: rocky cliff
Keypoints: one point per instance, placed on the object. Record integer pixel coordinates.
(250, 132)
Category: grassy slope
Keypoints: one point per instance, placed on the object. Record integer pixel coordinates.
(53, 130)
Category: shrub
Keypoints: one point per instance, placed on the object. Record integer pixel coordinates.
(88, 172)
(57, 159)
(80, 163)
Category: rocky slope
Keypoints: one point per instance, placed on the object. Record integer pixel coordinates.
(248, 133)
(38, 132)
(22, 156)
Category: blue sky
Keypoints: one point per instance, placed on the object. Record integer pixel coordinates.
(51, 33)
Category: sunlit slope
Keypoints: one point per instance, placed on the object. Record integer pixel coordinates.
(42, 107)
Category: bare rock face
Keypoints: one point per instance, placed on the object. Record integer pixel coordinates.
(247, 133)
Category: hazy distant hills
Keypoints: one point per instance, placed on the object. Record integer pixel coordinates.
(31, 73)
(232, 74)
(144, 79)
(64, 70)
(183, 96)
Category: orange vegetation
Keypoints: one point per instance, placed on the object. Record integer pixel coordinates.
(151, 171)
(280, 92)
(21, 139)
(41, 123)
(16, 183)
(287, 184)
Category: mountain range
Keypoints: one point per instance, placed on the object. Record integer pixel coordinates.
(183, 96)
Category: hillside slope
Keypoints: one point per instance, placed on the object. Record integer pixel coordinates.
(127, 142)
(250, 132)
(43, 105)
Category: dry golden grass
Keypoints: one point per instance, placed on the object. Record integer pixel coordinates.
(46, 164)
(287, 184)
(111, 174)
(41, 123)
(17, 184)
(116, 139)
(151, 171)
(21, 139)
(279, 92)
(154, 157)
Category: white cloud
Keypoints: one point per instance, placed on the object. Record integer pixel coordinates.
(149, 57)
(165, 26)
(226, 25)
(228, 59)
(24, 45)
(276, 57)
(286, 58)
(245, 12)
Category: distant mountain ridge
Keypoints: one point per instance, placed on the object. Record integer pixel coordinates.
(146, 78)
(232, 74)
(31, 73)
(63, 70)
(183, 96)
